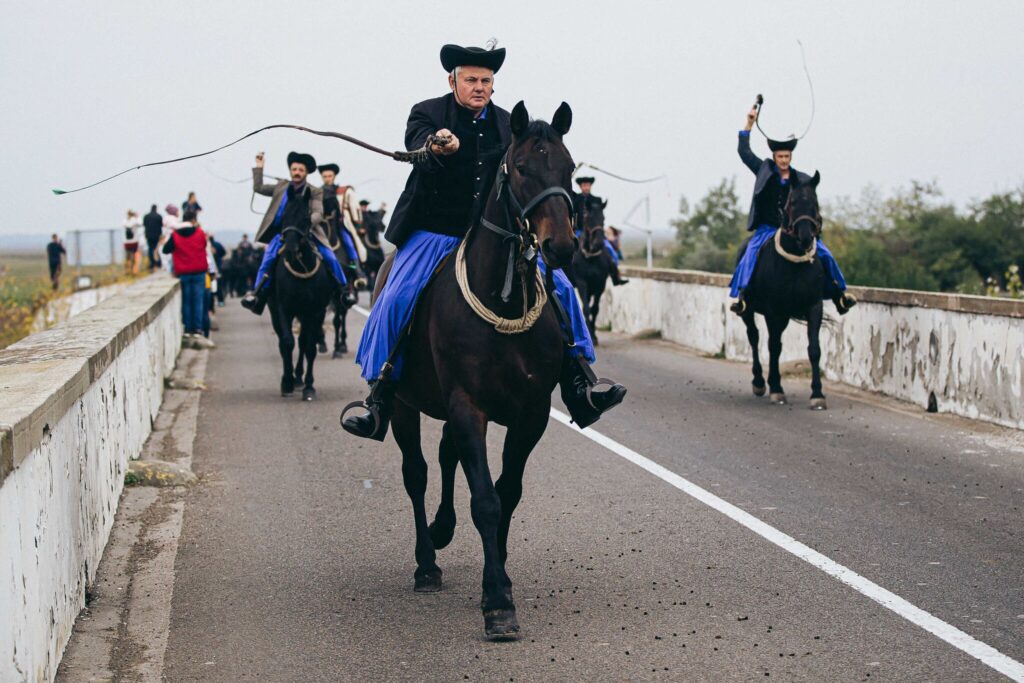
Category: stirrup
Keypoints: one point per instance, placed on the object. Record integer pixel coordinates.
(602, 381)
(371, 409)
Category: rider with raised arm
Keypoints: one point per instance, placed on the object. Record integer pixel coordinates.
(338, 212)
(443, 198)
(583, 202)
(775, 177)
(293, 203)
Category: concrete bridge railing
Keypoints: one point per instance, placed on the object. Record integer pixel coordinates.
(965, 351)
(76, 402)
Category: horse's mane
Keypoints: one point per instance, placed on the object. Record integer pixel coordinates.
(543, 130)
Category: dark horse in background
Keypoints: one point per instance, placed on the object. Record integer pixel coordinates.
(302, 288)
(590, 267)
(787, 284)
(369, 232)
(344, 298)
(461, 370)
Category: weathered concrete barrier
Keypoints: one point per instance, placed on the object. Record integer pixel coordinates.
(61, 310)
(966, 351)
(76, 402)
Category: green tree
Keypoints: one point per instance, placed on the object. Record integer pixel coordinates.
(709, 235)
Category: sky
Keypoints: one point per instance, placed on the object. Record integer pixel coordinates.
(904, 90)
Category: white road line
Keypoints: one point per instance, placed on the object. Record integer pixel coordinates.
(947, 632)
(951, 634)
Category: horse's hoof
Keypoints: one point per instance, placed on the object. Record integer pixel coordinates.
(758, 390)
(343, 348)
(308, 394)
(501, 624)
(338, 353)
(321, 347)
(818, 404)
(429, 582)
(287, 387)
(442, 533)
(778, 399)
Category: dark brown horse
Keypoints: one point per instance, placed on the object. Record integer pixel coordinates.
(461, 370)
(590, 266)
(369, 232)
(787, 284)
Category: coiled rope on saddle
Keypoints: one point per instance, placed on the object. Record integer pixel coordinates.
(503, 325)
(308, 274)
(807, 257)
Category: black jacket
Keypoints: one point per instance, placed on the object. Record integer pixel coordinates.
(424, 202)
(763, 169)
(154, 224)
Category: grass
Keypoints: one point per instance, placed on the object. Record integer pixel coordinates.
(25, 288)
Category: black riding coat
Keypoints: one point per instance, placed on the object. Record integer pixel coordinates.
(445, 194)
(582, 202)
(768, 191)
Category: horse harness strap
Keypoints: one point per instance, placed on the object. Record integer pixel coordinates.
(807, 257)
(317, 258)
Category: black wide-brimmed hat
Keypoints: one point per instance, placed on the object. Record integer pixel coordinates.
(329, 167)
(306, 160)
(364, 202)
(585, 179)
(456, 55)
(782, 145)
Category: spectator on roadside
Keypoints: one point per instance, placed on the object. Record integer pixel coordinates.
(187, 245)
(131, 243)
(245, 245)
(171, 221)
(614, 237)
(153, 223)
(219, 252)
(192, 204)
(54, 252)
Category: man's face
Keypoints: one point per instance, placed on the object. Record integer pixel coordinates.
(473, 87)
(782, 159)
(328, 177)
(298, 173)
(585, 188)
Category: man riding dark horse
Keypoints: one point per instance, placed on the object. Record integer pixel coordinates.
(337, 202)
(443, 197)
(775, 179)
(280, 216)
(584, 203)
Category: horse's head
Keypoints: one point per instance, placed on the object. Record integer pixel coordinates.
(801, 215)
(593, 228)
(538, 172)
(373, 224)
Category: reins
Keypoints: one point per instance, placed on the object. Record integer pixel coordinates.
(522, 251)
(790, 229)
(317, 258)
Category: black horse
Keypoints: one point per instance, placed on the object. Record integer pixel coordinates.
(787, 284)
(302, 289)
(343, 298)
(369, 231)
(590, 266)
(462, 370)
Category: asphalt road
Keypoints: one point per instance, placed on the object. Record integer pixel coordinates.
(296, 557)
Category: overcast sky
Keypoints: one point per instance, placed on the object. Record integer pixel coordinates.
(905, 90)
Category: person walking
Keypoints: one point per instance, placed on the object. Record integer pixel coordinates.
(192, 204)
(131, 243)
(187, 244)
(54, 253)
(153, 228)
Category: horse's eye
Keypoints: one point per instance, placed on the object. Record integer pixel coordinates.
(521, 168)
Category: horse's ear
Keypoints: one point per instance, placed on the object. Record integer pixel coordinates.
(816, 179)
(563, 119)
(604, 204)
(520, 119)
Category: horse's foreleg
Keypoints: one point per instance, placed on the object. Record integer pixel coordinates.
(442, 529)
(754, 337)
(519, 443)
(814, 355)
(307, 348)
(337, 321)
(405, 425)
(286, 347)
(776, 326)
(469, 428)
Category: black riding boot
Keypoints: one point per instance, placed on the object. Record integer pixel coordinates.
(844, 302)
(256, 301)
(379, 404)
(614, 271)
(585, 405)
(739, 307)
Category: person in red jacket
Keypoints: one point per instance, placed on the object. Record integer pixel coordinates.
(188, 245)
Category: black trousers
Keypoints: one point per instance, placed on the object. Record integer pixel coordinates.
(154, 255)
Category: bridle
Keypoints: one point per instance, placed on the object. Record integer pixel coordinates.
(521, 242)
(789, 228)
(307, 271)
